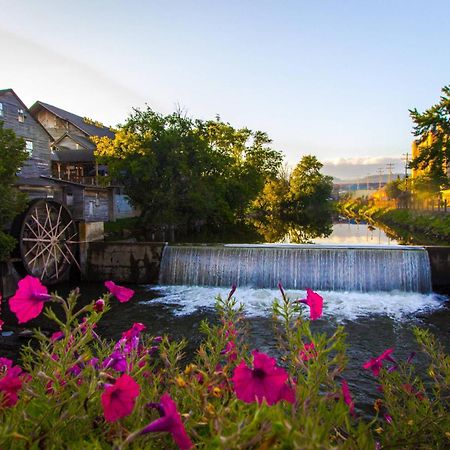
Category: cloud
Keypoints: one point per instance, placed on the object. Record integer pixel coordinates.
(357, 168)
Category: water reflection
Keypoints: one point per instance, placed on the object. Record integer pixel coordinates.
(356, 233)
(305, 231)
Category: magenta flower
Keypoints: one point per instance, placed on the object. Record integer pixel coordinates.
(347, 397)
(232, 291)
(169, 422)
(264, 381)
(134, 331)
(99, 305)
(118, 399)
(28, 301)
(57, 336)
(10, 382)
(117, 361)
(230, 351)
(122, 293)
(308, 352)
(375, 364)
(315, 303)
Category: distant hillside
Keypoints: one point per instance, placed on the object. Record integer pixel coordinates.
(369, 178)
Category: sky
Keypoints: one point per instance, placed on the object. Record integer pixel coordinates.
(331, 78)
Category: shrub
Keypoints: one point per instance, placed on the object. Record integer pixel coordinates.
(80, 391)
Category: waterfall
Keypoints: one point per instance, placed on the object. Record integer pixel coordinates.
(320, 267)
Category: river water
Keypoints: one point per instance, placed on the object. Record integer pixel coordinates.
(373, 321)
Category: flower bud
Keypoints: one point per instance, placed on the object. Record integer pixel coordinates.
(99, 305)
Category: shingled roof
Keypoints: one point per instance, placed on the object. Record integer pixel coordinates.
(77, 121)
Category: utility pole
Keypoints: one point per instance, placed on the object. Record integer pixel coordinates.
(380, 172)
(367, 179)
(405, 157)
(389, 167)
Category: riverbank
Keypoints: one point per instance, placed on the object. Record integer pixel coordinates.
(407, 226)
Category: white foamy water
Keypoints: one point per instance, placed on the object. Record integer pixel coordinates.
(339, 305)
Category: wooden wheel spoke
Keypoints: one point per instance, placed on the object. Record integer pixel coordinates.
(63, 254)
(31, 249)
(31, 229)
(40, 226)
(64, 229)
(35, 240)
(72, 255)
(69, 240)
(55, 257)
(40, 253)
(47, 240)
(49, 253)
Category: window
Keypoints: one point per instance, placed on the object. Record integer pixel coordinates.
(20, 116)
(29, 147)
(1, 110)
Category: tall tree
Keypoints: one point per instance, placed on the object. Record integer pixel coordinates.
(188, 173)
(12, 155)
(432, 127)
(308, 203)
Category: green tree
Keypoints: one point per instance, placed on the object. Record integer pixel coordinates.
(13, 155)
(434, 155)
(308, 203)
(188, 173)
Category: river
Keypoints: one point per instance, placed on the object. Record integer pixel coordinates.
(373, 321)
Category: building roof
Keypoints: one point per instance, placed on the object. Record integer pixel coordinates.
(24, 107)
(84, 142)
(77, 121)
(34, 181)
(65, 154)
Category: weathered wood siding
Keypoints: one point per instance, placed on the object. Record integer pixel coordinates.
(56, 126)
(39, 161)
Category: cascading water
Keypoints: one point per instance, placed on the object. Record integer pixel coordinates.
(320, 267)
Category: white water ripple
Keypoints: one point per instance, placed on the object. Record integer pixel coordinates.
(186, 300)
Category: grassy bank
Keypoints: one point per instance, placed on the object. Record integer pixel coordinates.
(410, 226)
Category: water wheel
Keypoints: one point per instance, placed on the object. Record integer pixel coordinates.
(47, 240)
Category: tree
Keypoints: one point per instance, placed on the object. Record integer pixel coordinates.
(432, 127)
(295, 206)
(13, 155)
(188, 173)
(309, 190)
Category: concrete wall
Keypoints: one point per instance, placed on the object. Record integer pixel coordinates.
(440, 266)
(124, 262)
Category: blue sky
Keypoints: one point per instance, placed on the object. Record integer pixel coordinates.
(327, 77)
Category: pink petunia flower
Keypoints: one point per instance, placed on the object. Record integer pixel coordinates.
(10, 382)
(169, 422)
(264, 381)
(315, 303)
(118, 399)
(347, 397)
(308, 352)
(123, 294)
(28, 301)
(230, 351)
(375, 364)
(117, 361)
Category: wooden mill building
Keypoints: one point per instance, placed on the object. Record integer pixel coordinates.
(62, 164)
